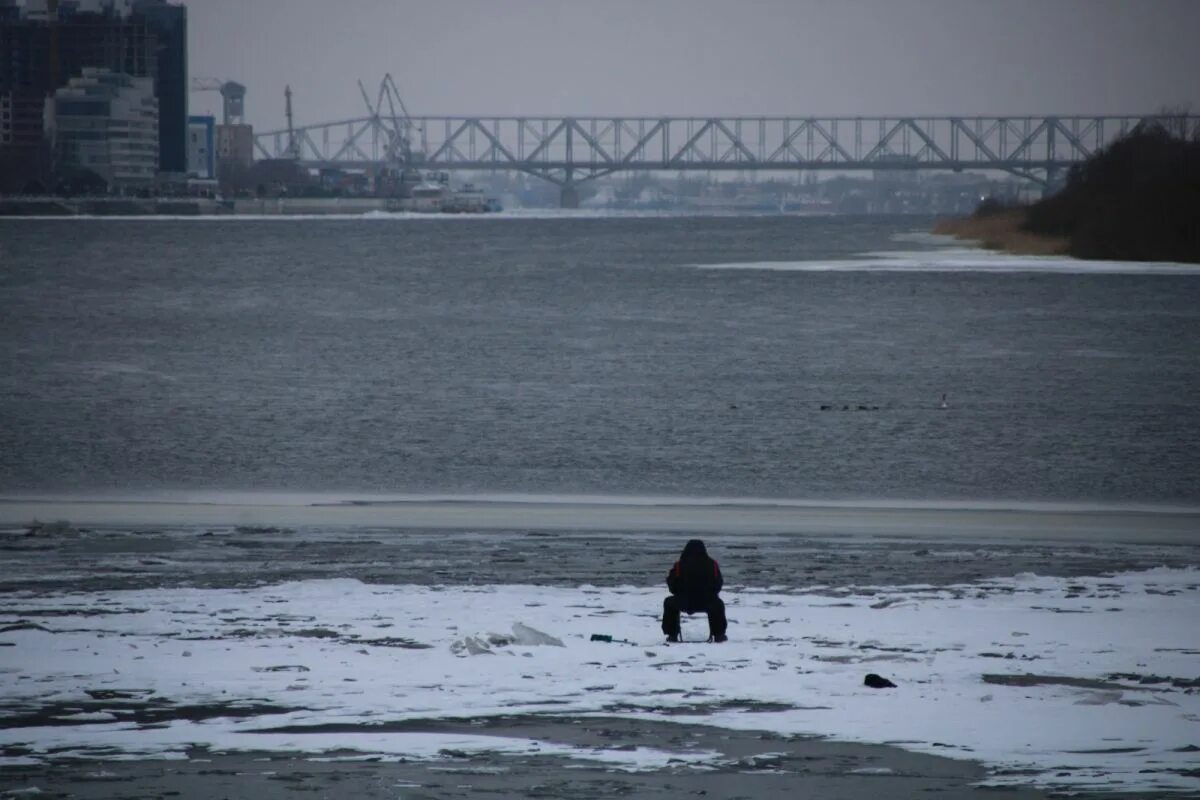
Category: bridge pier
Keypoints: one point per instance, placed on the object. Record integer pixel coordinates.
(568, 197)
(1055, 180)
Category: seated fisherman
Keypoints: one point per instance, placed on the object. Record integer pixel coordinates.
(694, 581)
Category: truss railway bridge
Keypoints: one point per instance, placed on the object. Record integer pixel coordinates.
(567, 150)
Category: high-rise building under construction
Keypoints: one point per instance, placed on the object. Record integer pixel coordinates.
(168, 25)
(45, 44)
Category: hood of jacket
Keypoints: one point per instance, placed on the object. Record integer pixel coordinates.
(693, 551)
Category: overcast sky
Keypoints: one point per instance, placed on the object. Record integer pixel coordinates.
(701, 57)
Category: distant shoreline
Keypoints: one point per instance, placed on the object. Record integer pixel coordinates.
(65, 207)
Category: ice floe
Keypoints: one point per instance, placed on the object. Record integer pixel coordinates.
(964, 259)
(1081, 682)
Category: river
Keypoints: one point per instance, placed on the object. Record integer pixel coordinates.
(715, 357)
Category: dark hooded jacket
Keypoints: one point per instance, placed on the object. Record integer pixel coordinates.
(695, 578)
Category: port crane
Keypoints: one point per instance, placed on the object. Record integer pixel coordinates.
(293, 151)
(396, 123)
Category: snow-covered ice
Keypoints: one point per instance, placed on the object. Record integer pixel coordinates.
(1083, 682)
(952, 256)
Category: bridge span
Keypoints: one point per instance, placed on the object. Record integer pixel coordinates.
(568, 150)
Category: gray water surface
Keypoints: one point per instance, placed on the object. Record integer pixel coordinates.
(580, 356)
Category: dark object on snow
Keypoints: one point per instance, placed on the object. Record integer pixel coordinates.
(605, 637)
(694, 581)
(877, 682)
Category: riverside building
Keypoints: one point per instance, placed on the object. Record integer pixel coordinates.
(106, 122)
(202, 148)
(45, 44)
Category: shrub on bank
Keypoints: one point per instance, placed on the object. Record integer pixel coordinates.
(1137, 199)
(999, 226)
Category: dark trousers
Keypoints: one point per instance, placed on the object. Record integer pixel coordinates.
(712, 606)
